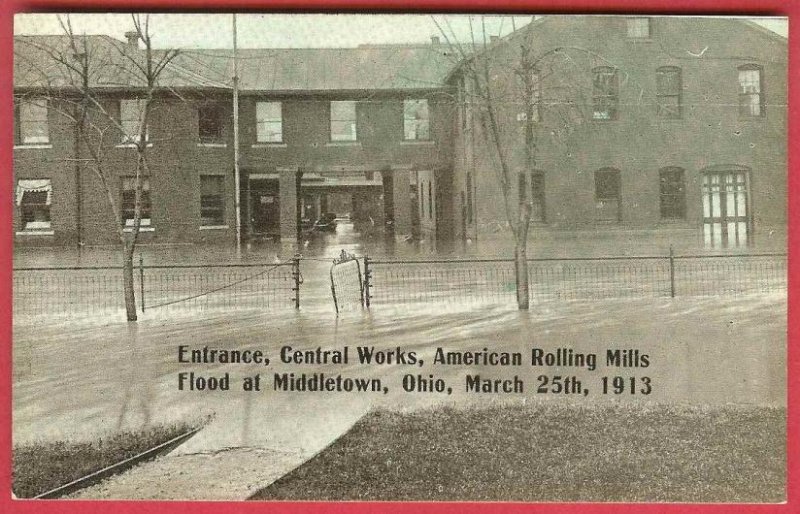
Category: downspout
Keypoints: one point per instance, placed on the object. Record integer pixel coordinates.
(236, 177)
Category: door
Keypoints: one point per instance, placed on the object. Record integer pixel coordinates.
(264, 207)
(726, 212)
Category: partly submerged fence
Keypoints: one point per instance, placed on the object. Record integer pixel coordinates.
(494, 280)
(58, 292)
(87, 291)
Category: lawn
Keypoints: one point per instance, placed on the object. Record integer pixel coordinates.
(41, 467)
(551, 453)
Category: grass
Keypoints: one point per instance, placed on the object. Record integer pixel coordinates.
(43, 466)
(551, 453)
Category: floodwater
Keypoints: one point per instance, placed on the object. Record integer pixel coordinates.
(84, 378)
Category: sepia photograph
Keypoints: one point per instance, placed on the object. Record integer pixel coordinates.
(399, 257)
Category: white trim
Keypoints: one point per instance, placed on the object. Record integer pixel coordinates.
(131, 145)
(214, 227)
(423, 142)
(263, 176)
(141, 229)
(269, 145)
(36, 233)
(212, 145)
(343, 143)
(32, 146)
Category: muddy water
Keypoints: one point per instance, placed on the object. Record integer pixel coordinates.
(88, 378)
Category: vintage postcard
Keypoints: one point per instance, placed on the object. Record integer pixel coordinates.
(400, 257)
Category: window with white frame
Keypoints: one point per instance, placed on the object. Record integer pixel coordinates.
(269, 122)
(33, 198)
(343, 121)
(416, 120)
(751, 100)
(128, 203)
(212, 200)
(32, 127)
(638, 28)
(130, 116)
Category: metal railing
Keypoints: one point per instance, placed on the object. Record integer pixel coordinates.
(59, 292)
(67, 292)
(494, 280)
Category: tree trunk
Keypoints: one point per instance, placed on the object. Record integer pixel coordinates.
(521, 272)
(127, 281)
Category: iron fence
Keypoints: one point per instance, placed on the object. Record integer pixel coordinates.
(493, 280)
(59, 292)
(87, 291)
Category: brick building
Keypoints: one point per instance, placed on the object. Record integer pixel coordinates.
(356, 131)
(649, 133)
(660, 131)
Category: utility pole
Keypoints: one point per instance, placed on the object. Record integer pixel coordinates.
(236, 178)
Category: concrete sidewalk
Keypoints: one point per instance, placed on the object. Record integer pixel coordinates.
(206, 468)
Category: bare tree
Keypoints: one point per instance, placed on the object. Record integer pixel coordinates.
(71, 72)
(510, 78)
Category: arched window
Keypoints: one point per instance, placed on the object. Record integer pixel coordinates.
(668, 92)
(751, 97)
(672, 193)
(605, 93)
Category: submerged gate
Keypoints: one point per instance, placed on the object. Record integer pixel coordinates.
(347, 285)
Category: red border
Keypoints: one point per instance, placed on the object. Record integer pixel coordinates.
(762, 7)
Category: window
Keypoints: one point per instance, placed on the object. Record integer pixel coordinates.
(210, 124)
(672, 194)
(34, 197)
(470, 207)
(416, 120)
(668, 92)
(343, 121)
(607, 195)
(638, 28)
(536, 95)
(537, 196)
(129, 201)
(212, 200)
(751, 101)
(430, 200)
(269, 122)
(130, 113)
(605, 93)
(32, 127)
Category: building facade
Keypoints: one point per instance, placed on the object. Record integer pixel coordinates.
(647, 132)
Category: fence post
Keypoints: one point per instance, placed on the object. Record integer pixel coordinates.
(367, 277)
(671, 272)
(141, 278)
(296, 276)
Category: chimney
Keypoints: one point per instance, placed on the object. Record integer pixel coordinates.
(133, 39)
(494, 39)
(434, 40)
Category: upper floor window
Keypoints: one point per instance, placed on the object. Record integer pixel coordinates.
(34, 197)
(638, 28)
(32, 127)
(672, 193)
(537, 196)
(668, 92)
(212, 200)
(343, 121)
(211, 124)
(605, 93)
(131, 112)
(416, 120)
(128, 204)
(269, 122)
(751, 100)
(608, 195)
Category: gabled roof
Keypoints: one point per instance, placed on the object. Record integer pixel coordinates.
(365, 68)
